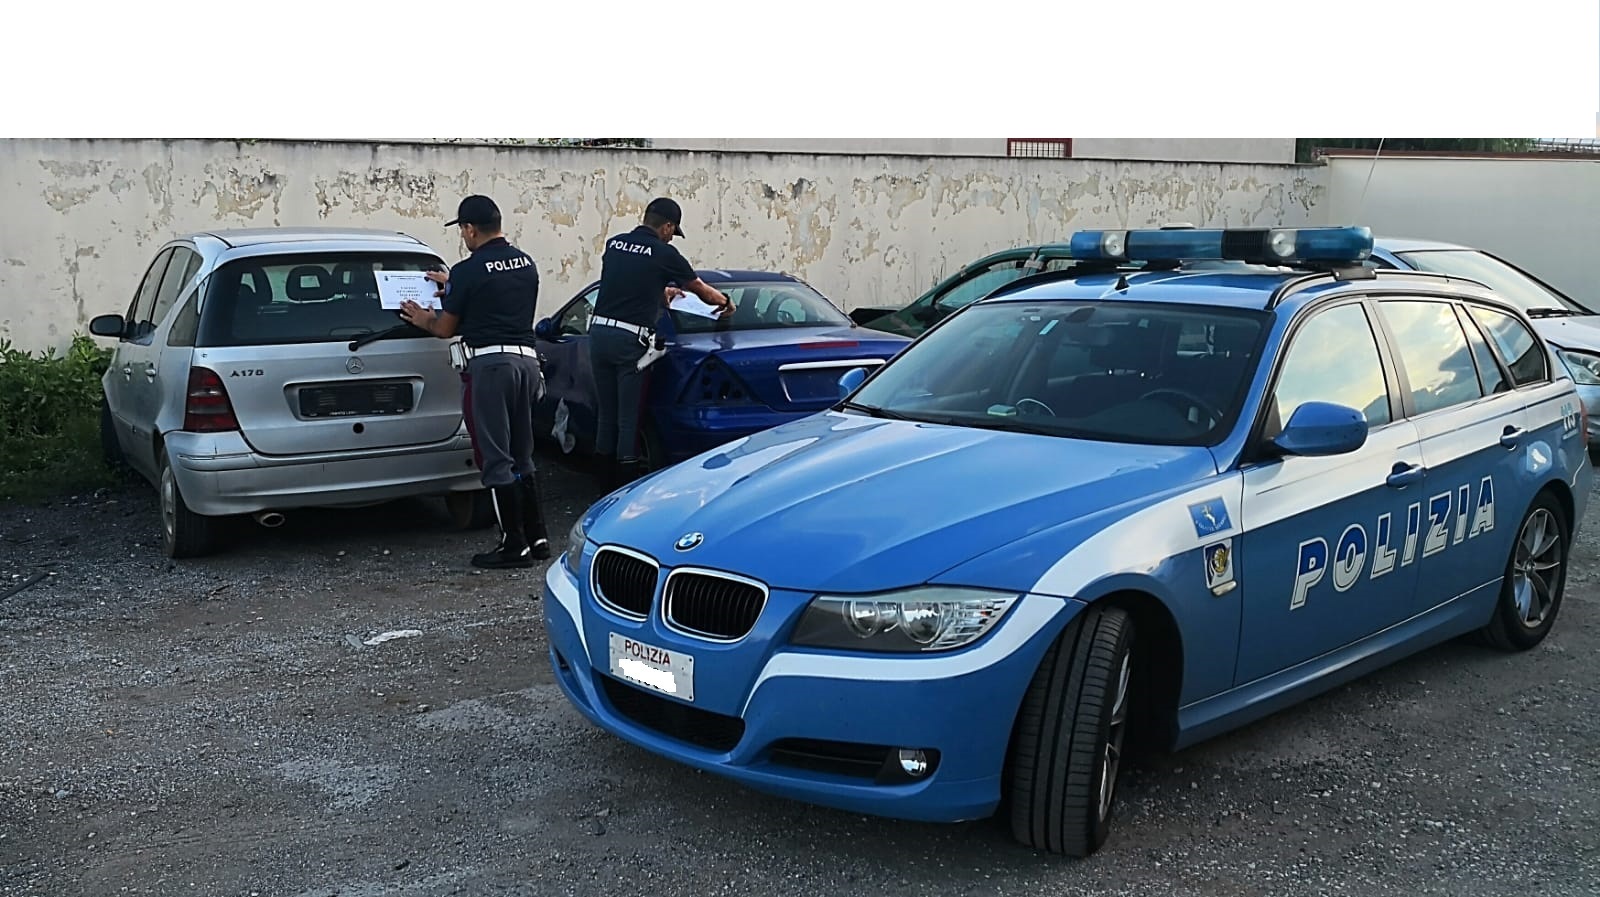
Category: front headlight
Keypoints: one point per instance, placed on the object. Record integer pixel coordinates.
(930, 618)
(1585, 367)
(576, 537)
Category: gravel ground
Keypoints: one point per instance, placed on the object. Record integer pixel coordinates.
(216, 728)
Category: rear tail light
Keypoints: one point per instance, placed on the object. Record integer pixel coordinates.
(716, 384)
(208, 409)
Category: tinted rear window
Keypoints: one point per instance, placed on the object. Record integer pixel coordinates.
(766, 305)
(275, 300)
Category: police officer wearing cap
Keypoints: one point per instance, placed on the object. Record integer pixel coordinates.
(635, 271)
(489, 299)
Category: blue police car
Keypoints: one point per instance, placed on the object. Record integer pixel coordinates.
(1135, 503)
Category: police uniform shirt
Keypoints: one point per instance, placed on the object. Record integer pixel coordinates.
(635, 271)
(494, 292)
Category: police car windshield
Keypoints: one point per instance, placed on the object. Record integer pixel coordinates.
(1146, 373)
(280, 300)
(763, 305)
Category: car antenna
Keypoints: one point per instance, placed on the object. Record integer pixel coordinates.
(1122, 283)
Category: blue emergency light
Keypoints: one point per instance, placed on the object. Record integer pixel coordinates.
(1256, 245)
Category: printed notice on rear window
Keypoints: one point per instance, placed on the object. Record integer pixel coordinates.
(395, 287)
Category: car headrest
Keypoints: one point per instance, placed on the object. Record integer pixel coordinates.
(310, 283)
(1128, 349)
(355, 279)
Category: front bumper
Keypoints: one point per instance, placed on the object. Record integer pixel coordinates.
(219, 474)
(760, 695)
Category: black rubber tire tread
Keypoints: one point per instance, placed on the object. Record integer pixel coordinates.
(470, 511)
(1504, 632)
(1060, 733)
(195, 535)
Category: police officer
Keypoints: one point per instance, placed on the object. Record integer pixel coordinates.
(635, 271)
(489, 299)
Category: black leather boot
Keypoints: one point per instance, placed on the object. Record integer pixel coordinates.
(513, 550)
(533, 517)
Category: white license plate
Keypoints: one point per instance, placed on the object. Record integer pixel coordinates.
(668, 672)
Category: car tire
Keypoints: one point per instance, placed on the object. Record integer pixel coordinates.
(184, 534)
(1534, 581)
(110, 447)
(1067, 748)
(1594, 455)
(470, 510)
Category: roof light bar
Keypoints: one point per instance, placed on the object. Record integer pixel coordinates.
(1257, 245)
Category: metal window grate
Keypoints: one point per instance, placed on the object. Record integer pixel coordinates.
(1039, 147)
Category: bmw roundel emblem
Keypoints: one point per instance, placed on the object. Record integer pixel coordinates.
(689, 540)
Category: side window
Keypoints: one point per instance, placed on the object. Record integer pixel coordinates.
(981, 284)
(144, 303)
(1434, 353)
(575, 320)
(1490, 377)
(1523, 352)
(180, 270)
(1333, 358)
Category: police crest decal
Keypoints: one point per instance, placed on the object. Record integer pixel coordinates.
(1219, 564)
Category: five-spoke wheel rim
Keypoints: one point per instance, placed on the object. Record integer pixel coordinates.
(1536, 569)
(169, 504)
(1111, 762)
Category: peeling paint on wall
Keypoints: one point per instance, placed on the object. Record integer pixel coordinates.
(84, 217)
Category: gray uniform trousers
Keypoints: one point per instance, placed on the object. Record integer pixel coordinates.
(619, 387)
(501, 391)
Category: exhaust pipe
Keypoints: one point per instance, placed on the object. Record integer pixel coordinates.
(269, 519)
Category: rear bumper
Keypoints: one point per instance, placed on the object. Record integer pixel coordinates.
(219, 474)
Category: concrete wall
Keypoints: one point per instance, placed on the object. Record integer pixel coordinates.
(79, 219)
(1541, 214)
(1191, 149)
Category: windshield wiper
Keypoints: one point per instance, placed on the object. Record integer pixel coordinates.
(874, 411)
(1550, 311)
(391, 333)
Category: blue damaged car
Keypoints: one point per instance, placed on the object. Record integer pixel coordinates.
(1133, 504)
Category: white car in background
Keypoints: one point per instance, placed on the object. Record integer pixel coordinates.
(1573, 328)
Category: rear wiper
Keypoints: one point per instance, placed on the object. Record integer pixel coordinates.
(874, 411)
(391, 333)
(1552, 312)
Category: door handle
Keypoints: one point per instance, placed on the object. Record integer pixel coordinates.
(127, 370)
(1404, 475)
(150, 371)
(1512, 436)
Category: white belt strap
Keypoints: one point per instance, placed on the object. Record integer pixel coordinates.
(528, 351)
(622, 325)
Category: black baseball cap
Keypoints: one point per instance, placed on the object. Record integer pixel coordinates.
(667, 209)
(478, 210)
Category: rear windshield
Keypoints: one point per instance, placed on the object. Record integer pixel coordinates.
(766, 305)
(283, 299)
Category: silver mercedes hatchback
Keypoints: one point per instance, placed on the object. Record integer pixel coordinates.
(257, 372)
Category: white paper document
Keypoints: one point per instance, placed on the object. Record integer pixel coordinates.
(395, 287)
(689, 303)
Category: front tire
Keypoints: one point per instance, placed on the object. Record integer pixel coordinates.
(1535, 579)
(184, 534)
(1068, 746)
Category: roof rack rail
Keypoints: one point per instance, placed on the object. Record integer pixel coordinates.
(1348, 273)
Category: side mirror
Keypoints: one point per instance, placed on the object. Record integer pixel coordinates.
(107, 325)
(1323, 428)
(545, 329)
(851, 380)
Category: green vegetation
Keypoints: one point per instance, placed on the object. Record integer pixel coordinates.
(50, 421)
